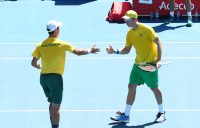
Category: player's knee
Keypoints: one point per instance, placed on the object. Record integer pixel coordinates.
(55, 109)
(154, 89)
(55, 113)
(132, 86)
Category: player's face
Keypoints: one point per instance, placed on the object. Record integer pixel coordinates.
(129, 22)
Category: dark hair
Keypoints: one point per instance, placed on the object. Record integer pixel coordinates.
(52, 31)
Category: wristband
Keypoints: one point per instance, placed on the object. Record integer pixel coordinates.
(89, 51)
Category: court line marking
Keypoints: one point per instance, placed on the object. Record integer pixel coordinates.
(96, 110)
(96, 58)
(93, 42)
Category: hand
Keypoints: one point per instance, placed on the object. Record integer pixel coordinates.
(94, 49)
(158, 64)
(110, 50)
(38, 66)
(35, 63)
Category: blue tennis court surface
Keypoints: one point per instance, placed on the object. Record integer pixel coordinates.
(95, 86)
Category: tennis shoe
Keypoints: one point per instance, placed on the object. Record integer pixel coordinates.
(121, 117)
(160, 117)
(189, 21)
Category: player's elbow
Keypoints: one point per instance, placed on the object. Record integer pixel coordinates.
(33, 63)
(125, 51)
(78, 52)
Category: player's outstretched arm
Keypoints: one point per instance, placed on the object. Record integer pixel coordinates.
(79, 52)
(124, 50)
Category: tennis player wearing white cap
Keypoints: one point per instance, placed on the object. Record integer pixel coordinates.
(52, 52)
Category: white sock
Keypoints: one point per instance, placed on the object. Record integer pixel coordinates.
(160, 107)
(189, 13)
(127, 110)
(171, 13)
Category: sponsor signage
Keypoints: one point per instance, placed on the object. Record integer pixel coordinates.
(146, 7)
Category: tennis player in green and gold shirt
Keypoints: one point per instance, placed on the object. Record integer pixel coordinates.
(52, 52)
(148, 50)
(143, 41)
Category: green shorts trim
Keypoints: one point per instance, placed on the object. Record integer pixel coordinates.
(52, 85)
(139, 77)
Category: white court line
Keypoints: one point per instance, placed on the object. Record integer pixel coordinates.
(96, 110)
(93, 42)
(16, 58)
(98, 58)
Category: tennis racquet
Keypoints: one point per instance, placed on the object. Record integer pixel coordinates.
(150, 67)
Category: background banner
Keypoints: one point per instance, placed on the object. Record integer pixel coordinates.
(162, 7)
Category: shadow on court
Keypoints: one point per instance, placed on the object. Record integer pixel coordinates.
(164, 27)
(123, 125)
(72, 2)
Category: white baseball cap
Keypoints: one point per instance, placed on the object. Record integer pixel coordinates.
(53, 25)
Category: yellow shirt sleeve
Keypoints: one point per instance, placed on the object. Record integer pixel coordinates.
(36, 53)
(68, 47)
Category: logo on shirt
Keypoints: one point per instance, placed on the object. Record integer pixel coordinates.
(140, 35)
(50, 45)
